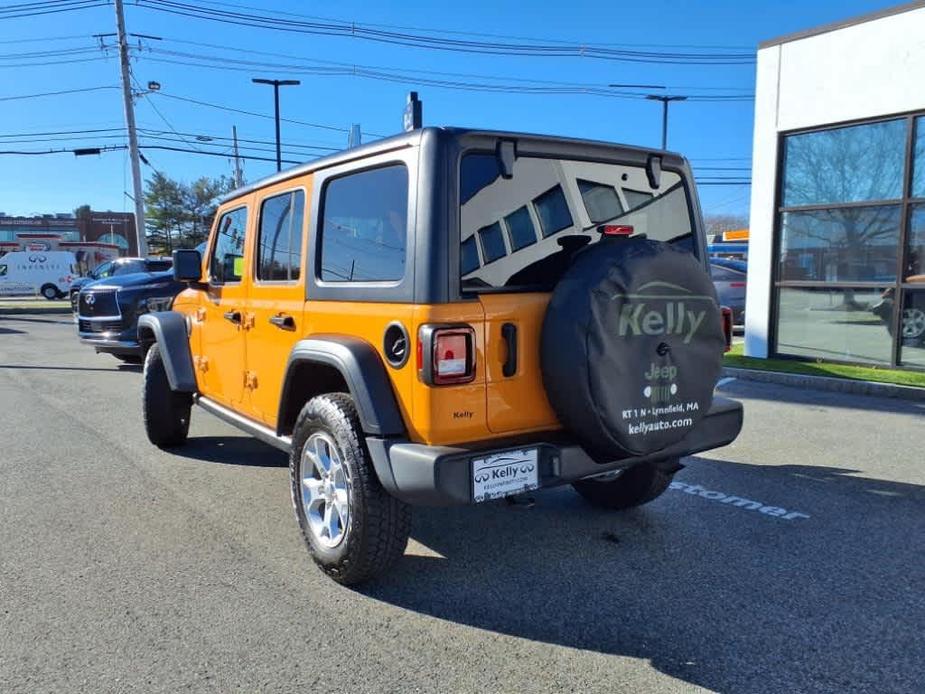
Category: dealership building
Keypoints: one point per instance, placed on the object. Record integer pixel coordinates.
(93, 237)
(837, 229)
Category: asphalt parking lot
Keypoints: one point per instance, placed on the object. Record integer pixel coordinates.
(123, 567)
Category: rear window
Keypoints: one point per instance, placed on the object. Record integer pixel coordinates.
(520, 233)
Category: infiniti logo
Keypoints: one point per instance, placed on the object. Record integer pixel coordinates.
(90, 300)
(37, 259)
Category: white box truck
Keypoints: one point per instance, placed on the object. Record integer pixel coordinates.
(27, 273)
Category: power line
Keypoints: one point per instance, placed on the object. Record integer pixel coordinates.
(416, 78)
(35, 9)
(58, 93)
(436, 41)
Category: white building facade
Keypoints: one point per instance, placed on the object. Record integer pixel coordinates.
(837, 228)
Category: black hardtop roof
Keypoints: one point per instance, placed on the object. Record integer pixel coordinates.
(414, 138)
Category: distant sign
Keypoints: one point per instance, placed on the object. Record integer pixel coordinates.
(412, 119)
(38, 246)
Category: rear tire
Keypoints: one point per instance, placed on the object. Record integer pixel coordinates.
(49, 291)
(353, 528)
(166, 413)
(633, 487)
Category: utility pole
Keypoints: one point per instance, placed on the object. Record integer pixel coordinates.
(665, 100)
(132, 135)
(276, 85)
(238, 174)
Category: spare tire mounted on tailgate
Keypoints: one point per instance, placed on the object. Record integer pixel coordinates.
(632, 346)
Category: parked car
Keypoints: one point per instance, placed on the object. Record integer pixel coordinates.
(731, 285)
(474, 315)
(108, 310)
(49, 273)
(119, 266)
(912, 321)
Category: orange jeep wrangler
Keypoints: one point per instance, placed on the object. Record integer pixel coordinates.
(447, 317)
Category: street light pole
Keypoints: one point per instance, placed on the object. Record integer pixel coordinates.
(665, 100)
(276, 85)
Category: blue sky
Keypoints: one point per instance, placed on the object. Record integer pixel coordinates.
(711, 134)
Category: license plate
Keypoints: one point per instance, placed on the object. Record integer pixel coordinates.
(504, 474)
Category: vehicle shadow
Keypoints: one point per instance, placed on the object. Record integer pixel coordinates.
(11, 331)
(232, 450)
(715, 595)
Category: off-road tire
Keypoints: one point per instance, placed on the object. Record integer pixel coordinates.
(166, 413)
(379, 524)
(50, 292)
(634, 487)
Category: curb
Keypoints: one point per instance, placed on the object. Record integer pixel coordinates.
(838, 385)
(27, 310)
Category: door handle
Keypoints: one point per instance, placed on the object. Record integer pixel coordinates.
(509, 333)
(233, 316)
(283, 321)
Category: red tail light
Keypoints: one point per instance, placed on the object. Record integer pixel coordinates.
(737, 285)
(727, 326)
(446, 354)
(616, 230)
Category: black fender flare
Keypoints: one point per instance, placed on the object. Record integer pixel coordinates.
(364, 373)
(168, 329)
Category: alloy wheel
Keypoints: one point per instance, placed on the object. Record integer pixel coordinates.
(913, 323)
(326, 492)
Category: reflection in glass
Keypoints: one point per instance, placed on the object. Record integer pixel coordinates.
(913, 328)
(853, 164)
(848, 244)
(492, 243)
(918, 166)
(600, 200)
(842, 324)
(365, 226)
(468, 256)
(915, 257)
(552, 209)
(520, 229)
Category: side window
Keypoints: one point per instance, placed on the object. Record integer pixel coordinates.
(279, 239)
(469, 258)
(521, 232)
(552, 209)
(2, 270)
(227, 261)
(600, 200)
(492, 242)
(364, 226)
(636, 198)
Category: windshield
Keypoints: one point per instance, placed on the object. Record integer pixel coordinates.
(522, 231)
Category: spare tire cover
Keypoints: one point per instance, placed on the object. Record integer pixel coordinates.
(631, 346)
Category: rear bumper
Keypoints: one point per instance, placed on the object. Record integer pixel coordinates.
(441, 475)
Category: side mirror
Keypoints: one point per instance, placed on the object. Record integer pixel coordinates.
(187, 265)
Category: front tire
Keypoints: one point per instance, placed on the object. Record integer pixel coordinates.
(166, 413)
(353, 528)
(633, 487)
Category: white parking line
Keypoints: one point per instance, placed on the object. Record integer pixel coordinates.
(737, 501)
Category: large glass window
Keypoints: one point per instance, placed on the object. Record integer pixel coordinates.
(851, 164)
(915, 255)
(364, 230)
(844, 324)
(918, 167)
(279, 240)
(912, 327)
(469, 256)
(843, 244)
(227, 262)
